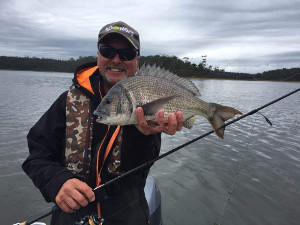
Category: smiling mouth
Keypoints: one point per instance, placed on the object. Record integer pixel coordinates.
(115, 69)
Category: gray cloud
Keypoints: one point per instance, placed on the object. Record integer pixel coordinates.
(243, 36)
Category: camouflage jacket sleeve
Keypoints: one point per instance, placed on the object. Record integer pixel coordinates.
(46, 143)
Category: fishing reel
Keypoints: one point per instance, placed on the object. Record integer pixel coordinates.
(90, 220)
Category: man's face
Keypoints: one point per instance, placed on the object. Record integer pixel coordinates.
(114, 70)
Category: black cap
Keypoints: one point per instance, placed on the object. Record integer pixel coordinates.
(122, 29)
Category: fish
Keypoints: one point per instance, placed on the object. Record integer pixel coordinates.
(154, 88)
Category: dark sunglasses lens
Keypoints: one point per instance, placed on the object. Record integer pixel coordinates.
(127, 54)
(107, 52)
(124, 54)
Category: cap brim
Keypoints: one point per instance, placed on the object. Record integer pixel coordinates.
(127, 37)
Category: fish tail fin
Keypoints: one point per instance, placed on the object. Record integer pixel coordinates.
(220, 115)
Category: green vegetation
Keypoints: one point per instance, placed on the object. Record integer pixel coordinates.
(37, 64)
(178, 66)
(280, 75)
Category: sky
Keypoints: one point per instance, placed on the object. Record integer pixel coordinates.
(248, 36)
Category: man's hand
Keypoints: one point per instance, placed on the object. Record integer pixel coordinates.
(175, 122)
(73, 195)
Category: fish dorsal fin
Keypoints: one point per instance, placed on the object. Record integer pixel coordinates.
(156, 71)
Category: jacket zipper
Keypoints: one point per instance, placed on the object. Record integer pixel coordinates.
(88, 142)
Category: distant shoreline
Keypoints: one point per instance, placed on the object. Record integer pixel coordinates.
(171, 63)
(37, 71)
(205, 78)
(194, 78)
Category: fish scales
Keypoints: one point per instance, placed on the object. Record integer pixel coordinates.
(147, 89)
(153, 89)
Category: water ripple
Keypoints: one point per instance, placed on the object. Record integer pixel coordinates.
(196, 178)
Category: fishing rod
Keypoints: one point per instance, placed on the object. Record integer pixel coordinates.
(56, 208)
(192, 141)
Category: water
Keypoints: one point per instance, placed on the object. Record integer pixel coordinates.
(194, 181)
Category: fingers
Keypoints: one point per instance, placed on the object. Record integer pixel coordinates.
(73, 195)
(68, 205)
(142, 123)
(180, 120)
(86, 191)
(161, 117)
(143, 126)
(174, 123)
(171, 126)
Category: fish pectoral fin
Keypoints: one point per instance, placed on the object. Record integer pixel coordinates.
(151, 108)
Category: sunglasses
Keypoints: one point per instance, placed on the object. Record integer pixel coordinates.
(125, 54)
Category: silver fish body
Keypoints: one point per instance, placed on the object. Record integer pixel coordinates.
(153, 89)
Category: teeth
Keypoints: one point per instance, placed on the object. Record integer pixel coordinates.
(115, 70)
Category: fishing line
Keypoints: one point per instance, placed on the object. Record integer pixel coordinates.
(130, 172)
(281, 80)
(54, 209)
(290, 77)
(230, 193)
(268, 121)
(120, 210)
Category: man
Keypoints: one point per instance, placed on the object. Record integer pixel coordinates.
(71, 154)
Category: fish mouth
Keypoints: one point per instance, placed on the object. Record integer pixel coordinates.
(98, 114)
(102, 120)
(98, 120)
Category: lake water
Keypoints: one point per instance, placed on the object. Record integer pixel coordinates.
(259, 162)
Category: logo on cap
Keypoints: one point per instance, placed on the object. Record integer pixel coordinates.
(124, 29)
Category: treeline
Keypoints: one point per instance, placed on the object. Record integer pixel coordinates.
(185, 68)
(43, 64)
(178, 66)
(284, 74)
